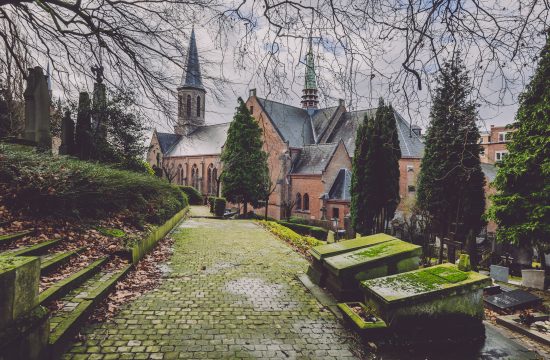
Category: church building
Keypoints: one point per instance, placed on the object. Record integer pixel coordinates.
(310, 148)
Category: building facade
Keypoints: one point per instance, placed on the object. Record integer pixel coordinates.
(310, 148)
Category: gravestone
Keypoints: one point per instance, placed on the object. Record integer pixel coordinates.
(37, 109)
(67, 135)
(345, 271)
(330, 237)
(317, 272)
(512, 300)
(438, 300)
(499, 273)
(533, 279)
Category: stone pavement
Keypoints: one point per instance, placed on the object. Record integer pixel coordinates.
(229, 292)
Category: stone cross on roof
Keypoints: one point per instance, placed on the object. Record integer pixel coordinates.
(192, 76)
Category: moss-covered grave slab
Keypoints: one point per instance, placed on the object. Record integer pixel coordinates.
(429, 298)
(317, 272)
(19, 279)
(345, 271)
(365, 327)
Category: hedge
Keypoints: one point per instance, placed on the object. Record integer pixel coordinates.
(40, 183)
(302, 243)
(219, 206)
(211, 203)
(298, 220)
(316, 232)
(194, 196)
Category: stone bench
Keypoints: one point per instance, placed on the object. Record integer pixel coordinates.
(317, 272)
(345, 271)
(436, 301)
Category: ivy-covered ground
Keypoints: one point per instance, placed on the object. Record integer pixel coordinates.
(229, 292)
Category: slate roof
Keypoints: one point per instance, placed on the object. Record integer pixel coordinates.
(321, 120)
(205, 140)
(346, 129)
(193, 77)
(292, 123)
(166, 140)
(313, 159)
(490, 171)
(341, 188)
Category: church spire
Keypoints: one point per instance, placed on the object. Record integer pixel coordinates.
(193, 77)
(309, 93)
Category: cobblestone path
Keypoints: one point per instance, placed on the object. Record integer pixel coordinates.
(229, 292)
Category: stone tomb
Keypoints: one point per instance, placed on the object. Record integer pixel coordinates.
(345, 271)
(317, 272)
(432, 302)
(508, 301)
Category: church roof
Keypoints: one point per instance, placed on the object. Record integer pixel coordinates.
(292, 123)
(166, 140)
(346, 129)
(341, 187)
(193, 77)
(204, 140)
(313, 159)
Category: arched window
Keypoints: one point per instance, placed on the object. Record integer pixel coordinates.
(215, 181)
(209, 179)
(195, 176)
(298, 201)
(306, 202)
(188, 105)
(180, 175)
(198, 106)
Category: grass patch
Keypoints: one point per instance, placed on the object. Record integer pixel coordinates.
(40, 184)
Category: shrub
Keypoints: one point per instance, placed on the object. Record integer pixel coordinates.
(301, 243)
(316, 232)
(63, 186)
(211, 203)
(194, 196)
(298, 220)
(219, 206)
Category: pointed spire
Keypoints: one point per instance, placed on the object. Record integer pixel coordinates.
(311, 82)
(193, 77)
(309, 93)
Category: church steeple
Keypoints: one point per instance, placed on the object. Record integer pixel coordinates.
(309, 93)
(192, 76)
(191, 93)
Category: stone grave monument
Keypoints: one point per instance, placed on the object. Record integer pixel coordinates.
(499, 273)
(37, 109)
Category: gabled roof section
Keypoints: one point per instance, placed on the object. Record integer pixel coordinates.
(193, 78)
(167, 140)
(292, 123)
(313, 159)
(411, 145)
(321, 119)
(204, 140)
(341, 187)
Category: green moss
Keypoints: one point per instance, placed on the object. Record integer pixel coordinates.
(8, 263)
(116, 233)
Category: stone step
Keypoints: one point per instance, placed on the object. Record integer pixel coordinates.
(50, 262)
(9, 238)
(62, 287)
(33, 250)
(77, 305)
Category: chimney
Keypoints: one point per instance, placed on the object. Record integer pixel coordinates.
(252, 93)
(341, 102)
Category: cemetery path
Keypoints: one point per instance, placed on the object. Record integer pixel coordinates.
(229, 292)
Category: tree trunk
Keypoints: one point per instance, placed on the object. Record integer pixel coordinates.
(440, 256)
(245, 208)
(266, 205)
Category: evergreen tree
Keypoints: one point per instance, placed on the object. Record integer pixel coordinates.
(245, 176)
(521, 206)
(451, 182)
(83, 139)
(375, 176)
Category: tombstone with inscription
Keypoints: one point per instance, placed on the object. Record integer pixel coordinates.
(508, 301)
(499, 273)
(37, 109)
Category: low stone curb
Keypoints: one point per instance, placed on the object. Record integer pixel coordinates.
(58, 260)
(34, 249)
(6, 239)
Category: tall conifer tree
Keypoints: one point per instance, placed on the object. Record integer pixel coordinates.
(245, 176)
(375, 177)
(451, 182)
(521, 206)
